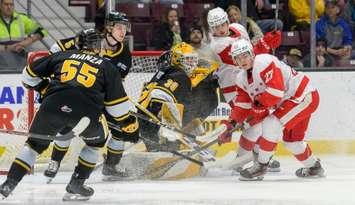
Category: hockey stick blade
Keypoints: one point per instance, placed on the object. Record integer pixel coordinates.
(116, 127)
(79, 128)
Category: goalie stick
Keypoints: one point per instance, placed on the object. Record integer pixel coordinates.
(187, 140)
(79, 128)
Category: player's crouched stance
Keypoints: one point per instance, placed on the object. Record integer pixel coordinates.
(267, 84)
(82, 84)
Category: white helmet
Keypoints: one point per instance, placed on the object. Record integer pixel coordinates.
(240, 46)
(216, 17)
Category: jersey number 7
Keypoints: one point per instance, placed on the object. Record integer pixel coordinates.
(82, 72)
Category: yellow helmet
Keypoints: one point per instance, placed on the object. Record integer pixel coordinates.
(184, 56)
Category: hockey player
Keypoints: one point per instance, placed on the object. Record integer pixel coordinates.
(82, 85)
(224, 34)
(265, 83)
(183, 85)
(114, 49)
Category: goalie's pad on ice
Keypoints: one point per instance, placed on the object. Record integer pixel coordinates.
(159, 165)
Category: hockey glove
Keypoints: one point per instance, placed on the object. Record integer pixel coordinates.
(226, 136)
(272, 39)
(257, 113)
(129, 130)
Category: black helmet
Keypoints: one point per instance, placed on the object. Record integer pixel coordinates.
(88, 39)
(114, 17)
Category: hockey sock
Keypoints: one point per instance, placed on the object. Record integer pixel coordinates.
(86, 162)
(59, 150)
(302, 152)
(23, 163)
(266, 150)
(114, 151)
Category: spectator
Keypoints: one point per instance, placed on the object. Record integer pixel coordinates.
(17, 31)
(336, 31)
(253, 29)
(195, 39)
(323, 59)
(293, 58)
(349, 15)
(170, 32)
(301, 11)
(253, 10)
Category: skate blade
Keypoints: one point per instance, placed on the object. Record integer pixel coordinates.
(313, 177)
(49, 180)
(274, 169)
(75, 197)
(115, 178)
(259, 178)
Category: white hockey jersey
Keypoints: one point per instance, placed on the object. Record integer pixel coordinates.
(228, 71)
(270, 82)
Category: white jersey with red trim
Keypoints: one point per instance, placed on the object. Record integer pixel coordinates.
(227, 72)
(270, 82)
(222, 45)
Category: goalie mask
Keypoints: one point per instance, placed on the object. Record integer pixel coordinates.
(184, 56)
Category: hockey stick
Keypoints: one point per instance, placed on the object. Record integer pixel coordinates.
(79, 128)
(114, 126)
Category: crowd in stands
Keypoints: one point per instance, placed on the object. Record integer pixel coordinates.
(160, 24)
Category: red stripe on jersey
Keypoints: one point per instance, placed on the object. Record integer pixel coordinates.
(305, 155)
(225, 55)
(266, 145)
(272, 77)
(234, 33)
(239, 114)
(301, 87)
(229, 89)
(246, 143)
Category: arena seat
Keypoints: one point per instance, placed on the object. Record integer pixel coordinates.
(134, 10)
(159, 10)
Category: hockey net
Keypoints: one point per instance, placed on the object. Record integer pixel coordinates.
(143, 68)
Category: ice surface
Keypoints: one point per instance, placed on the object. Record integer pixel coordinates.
(217, 188)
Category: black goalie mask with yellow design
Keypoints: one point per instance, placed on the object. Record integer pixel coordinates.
(184, 56)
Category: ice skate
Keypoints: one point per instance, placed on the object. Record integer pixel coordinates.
(316, 171)
(254, 173)
(111, 173)
(274, 165)
(51, 171)
(77, 191)
(7, 187)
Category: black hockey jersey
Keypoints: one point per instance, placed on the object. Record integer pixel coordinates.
(173, 85)
(95, 76)
(121, 57)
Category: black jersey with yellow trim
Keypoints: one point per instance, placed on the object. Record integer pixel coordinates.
(120, 57)
(95, 76)
(174, 85)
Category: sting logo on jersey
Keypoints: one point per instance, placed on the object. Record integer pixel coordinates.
(65, 108)
(268, 76)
